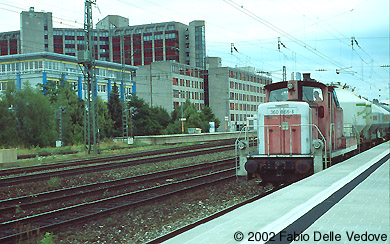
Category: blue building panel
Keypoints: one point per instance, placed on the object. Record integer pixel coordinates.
(18, 82)
(122, 89)
(133, 89)
(80, 87)
(108, 89)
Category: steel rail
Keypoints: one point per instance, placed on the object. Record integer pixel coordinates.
(218, 214)
(9, 181)
(26, 203)
(86, 211)
(85, 161)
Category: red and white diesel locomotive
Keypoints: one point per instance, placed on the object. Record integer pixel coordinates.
(305, 126)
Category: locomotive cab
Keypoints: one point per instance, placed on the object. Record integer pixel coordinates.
(297, 125)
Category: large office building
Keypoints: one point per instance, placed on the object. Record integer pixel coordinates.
(43, 67)
(234, 94)
(114, 40)
(169, 84)
(170, 57)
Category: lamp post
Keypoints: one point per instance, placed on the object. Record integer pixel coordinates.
(182, 124)
(226, 122)
(182, 119)
(61, 110)
(133, 112)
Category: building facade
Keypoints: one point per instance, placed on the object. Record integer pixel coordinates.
(170, 56)
(114, 40)
(234, 94)
(42, 67)
(169, 84)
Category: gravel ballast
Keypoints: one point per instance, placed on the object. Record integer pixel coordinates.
(150, 220)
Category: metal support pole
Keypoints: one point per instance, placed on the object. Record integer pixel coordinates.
(151, 85)
(87, 60)
(60, 110)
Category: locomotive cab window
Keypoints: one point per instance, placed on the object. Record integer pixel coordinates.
(278, 95)
(313, 94)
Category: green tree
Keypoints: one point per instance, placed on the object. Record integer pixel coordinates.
(8, 119)
(193, 118)
(207, 115)
(174, 127)
(36, 124)
(73, 118)
(191, 115)
(104, 121)
(51, 89)
(161, 116)
(114, 106)
(146, 121)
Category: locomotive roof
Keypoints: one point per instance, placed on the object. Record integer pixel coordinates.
(305, 82)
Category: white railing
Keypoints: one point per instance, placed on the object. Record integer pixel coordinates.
(245, 130)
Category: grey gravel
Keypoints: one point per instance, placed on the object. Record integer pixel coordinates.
(149, 221)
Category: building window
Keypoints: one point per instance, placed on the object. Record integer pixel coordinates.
(170, 35)
(175, 93)
(3, 86)
(174, 81)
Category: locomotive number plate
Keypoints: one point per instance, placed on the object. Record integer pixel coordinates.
(281, 111)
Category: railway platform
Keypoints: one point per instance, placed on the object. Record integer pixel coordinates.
(185, 138)
(347, 203)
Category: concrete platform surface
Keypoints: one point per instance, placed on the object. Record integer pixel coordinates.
(270, 216)
(363, 216)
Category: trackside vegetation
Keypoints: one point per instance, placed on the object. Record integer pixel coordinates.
(30, 117)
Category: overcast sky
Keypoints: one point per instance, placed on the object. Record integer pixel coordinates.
(316, 34)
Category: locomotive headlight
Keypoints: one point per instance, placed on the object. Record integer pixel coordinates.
(317, 144)
(290, 86)
(241, 145)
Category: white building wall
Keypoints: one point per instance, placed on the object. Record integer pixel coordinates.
(235, 93)
(172, 83)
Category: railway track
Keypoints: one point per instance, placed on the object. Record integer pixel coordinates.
(63, 164)
(17, 229)
(183, 229)
(28, 156)
(102, 164)
(30, 203)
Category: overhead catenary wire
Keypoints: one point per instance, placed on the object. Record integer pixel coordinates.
(289, 36)
(56, 19)
(253, 58)
(282, 32)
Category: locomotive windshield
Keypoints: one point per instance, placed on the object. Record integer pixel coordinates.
(309, 93)
(278, 95)
(313, 94)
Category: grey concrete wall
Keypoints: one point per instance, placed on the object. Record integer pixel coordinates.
(172, 139)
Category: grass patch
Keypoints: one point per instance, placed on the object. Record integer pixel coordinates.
(49, 238)
(105, 149)
(54, 182)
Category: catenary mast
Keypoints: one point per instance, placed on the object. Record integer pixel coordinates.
(86, 59)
